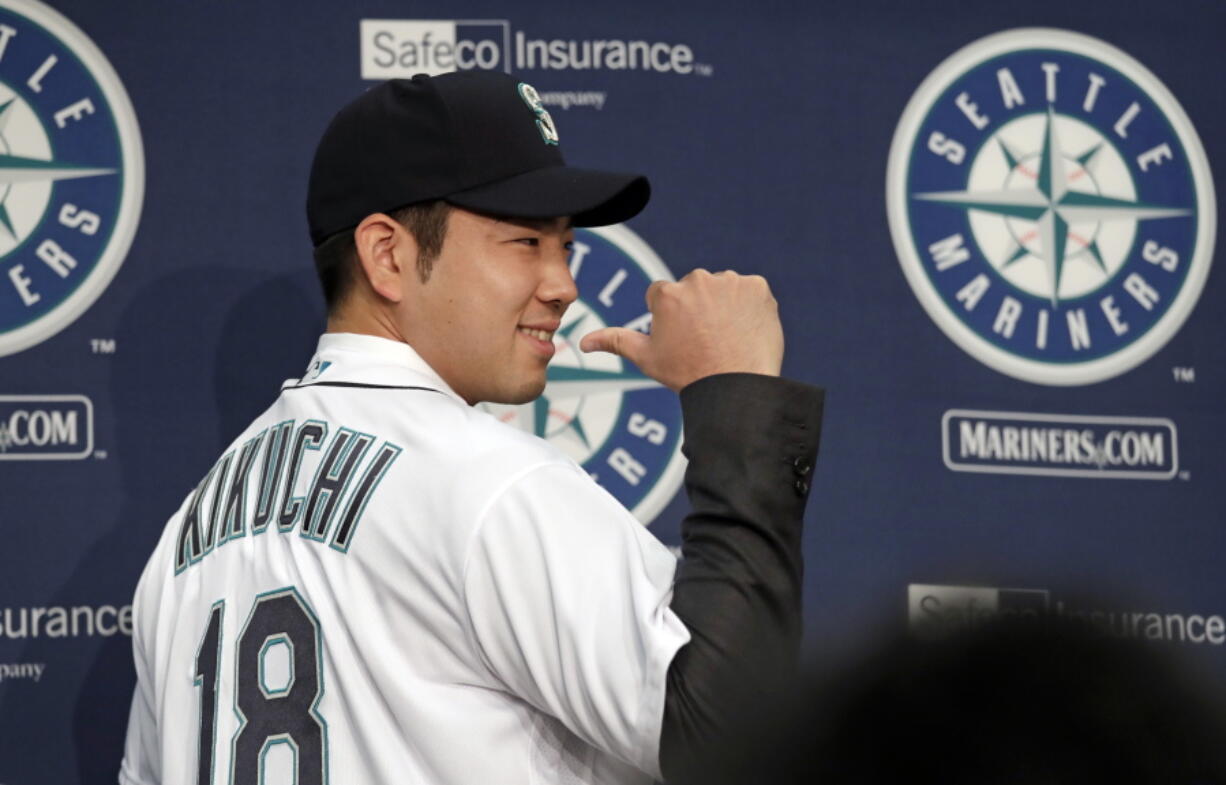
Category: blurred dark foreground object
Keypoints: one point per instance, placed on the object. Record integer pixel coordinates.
(1028, 703)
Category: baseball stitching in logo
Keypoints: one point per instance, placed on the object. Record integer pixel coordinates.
(71, 173)
(1051, 206)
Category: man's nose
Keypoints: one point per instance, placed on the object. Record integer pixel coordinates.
(558, 285)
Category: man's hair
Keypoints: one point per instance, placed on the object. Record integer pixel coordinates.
(336, 258)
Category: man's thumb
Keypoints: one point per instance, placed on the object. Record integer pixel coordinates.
(621, 341)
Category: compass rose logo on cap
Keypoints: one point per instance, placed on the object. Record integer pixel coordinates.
(1051, 206)
(71, 173)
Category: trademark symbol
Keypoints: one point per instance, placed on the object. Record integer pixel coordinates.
(102, 345)
(99, 455)
(1184, 375)
(704, 69)
(1185, 475)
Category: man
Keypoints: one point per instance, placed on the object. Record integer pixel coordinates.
(378, 582)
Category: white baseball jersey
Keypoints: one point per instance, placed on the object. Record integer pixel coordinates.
(379, 583)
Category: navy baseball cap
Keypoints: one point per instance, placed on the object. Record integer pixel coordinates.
(476, 139)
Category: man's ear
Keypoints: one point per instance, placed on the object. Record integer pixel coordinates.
(385, 249)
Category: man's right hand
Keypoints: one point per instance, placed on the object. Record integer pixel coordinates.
(702, 325)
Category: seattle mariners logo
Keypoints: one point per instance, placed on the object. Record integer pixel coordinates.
(71, 173)
(621, 426)
(1051, 206)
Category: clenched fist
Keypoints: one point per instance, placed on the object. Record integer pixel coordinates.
(702, 325)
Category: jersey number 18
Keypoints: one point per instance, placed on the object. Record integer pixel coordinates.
(268, 715)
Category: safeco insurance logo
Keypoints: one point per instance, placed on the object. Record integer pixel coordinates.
(1051, 206)
(402, 48)
(1060, 445)
(934, 609)
(72, 177)
(46, 427)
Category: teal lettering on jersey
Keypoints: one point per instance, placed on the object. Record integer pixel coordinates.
(218, 509)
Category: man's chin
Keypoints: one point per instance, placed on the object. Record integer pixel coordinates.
(525, 394)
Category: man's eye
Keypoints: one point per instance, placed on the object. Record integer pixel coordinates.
(569, 246)
(533, 241)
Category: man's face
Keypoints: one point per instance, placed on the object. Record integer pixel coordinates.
(485, 319)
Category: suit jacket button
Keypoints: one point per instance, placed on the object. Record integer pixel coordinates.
(801, 486)
(802, 466)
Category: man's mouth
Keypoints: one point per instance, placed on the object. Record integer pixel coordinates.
(540, 335)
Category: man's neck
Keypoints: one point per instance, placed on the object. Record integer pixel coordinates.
(363, 322)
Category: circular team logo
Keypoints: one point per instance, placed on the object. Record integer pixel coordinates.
(1051, 206)
(621, 426)
(71, 173)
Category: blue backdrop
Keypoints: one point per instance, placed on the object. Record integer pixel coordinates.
(955, 480)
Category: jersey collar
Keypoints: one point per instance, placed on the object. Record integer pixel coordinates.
(353, 358)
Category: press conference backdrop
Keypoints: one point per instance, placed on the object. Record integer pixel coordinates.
(990, 228)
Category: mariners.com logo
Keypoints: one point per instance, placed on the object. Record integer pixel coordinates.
(1060, 445)
(1051, 206)
(46, 427)
(401, 48)
(71, 173)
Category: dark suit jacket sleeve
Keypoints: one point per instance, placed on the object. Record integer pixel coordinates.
(751, 442)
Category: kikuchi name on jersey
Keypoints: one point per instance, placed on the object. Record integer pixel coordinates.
(328, 511)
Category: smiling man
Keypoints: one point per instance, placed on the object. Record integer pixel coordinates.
(481, 313)
(377, 582)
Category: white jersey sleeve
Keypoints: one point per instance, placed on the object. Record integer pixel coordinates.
(141, 764)
(567, 596)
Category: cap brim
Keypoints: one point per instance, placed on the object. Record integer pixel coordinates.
(587, 196)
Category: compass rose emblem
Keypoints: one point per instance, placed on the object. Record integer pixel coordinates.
(71, 173)
(26, 170)
(623, 427)
(1051, 206)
